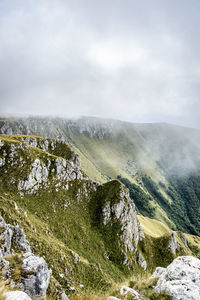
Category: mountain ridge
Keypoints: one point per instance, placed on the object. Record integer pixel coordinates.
(167, 154)
(87, 232)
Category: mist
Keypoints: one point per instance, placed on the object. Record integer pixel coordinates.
(127, 60)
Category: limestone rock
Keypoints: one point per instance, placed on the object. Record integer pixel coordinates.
(35, 276)
(183, 238)
(140, 260)
(181, 279)
(158, 272)
(12, 237)
(113, 298)
(125, 290)
(38, 175)
(16, 295)
(173, 244)
(63, 296)
(36, 283)
(123, 211)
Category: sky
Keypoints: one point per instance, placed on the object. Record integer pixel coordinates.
(131, 60)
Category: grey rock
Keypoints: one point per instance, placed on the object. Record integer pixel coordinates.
(173, 244)
(19, 239)
(16, 295)
(36, 283)
(125, 290)
(181, 279)
(158, 272)
(140, 260)
(36, 279)
(130, 233)
(2, 162)
(113, 298)
(75, 257)
(183, 238)
(12, 237)
(38, 175)
(63, 296)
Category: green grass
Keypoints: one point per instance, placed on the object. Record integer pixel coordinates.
(58, 222)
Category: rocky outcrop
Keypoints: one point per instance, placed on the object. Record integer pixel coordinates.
(183, 238)
(12, 238)
(118, 216)
(33, 273)
(124, 211)
(125, 290)
(173, 244)
(16, 295)
(181, 279)
(36, 283)
(59, 165)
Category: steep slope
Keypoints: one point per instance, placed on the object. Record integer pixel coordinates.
(87, 232)
(161, 160)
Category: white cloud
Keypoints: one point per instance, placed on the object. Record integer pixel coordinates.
(114, 54)
(128, 60)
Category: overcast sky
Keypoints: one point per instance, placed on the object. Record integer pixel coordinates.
(126, 59)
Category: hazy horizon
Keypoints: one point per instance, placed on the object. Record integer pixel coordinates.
(127, 60)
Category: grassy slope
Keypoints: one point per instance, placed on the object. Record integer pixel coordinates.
(153, 227)
(54, 231)
(112, 148)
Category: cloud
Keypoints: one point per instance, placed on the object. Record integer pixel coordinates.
(135, 61)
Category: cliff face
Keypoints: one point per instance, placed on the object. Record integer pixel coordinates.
(44, 189)
(114, 215)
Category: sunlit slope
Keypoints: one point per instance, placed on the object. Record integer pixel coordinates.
(156, 229)
(161, 159)
(153, 227)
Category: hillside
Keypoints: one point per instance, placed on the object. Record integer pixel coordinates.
(159, 163)
(87, 232)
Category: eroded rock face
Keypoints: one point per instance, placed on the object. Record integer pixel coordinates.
(183, 238)
(38, 175)
(173, 244)
(35, 275)
(123, 211)
(25, 154)
(12, 239)
(37, 283)
(181, 279)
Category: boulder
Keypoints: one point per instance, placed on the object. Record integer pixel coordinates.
(36, 283)
(16, 295)
(125, 290)
(181, 279)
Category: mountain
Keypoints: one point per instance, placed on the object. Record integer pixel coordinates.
(87, 232)
(53, 216)
(159, 163)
